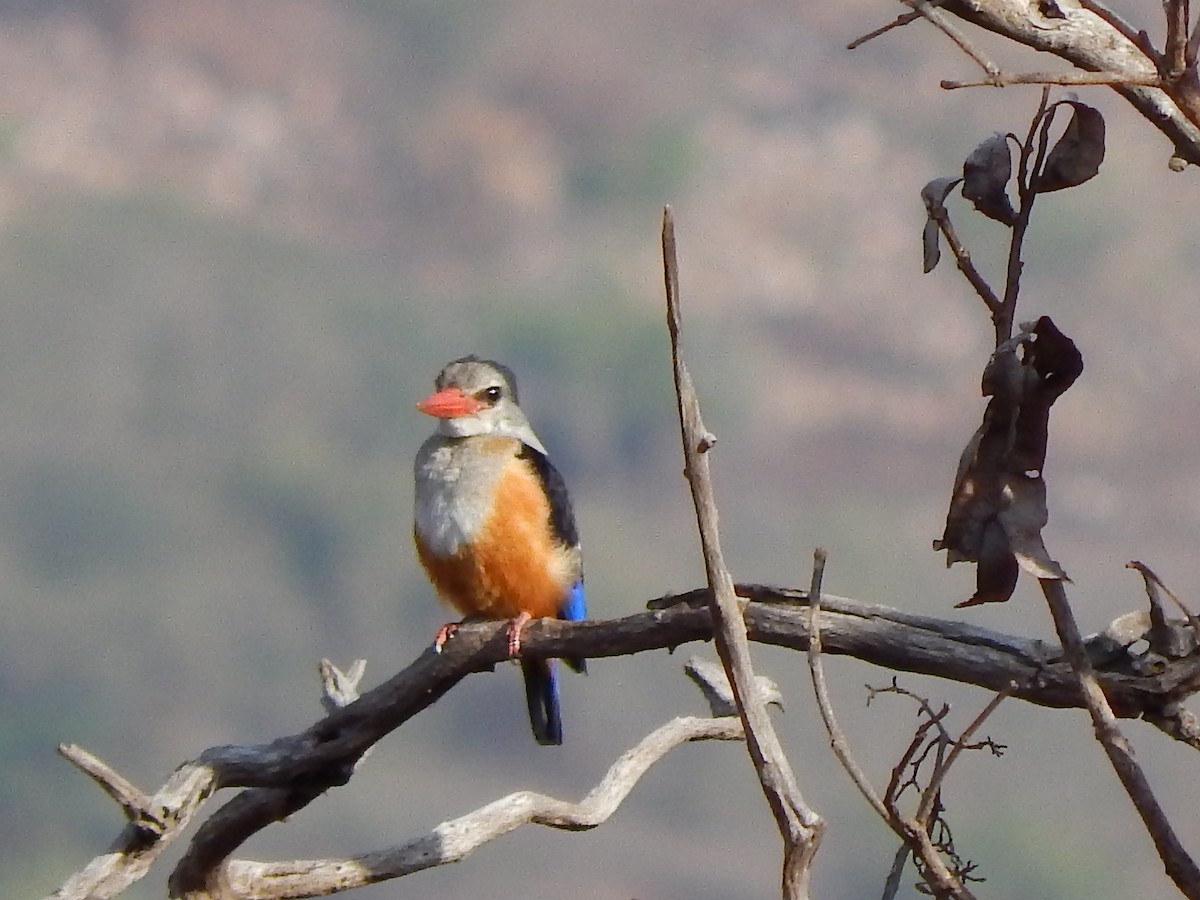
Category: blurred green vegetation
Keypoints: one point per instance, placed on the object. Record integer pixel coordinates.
(656, 164)
(64, 521)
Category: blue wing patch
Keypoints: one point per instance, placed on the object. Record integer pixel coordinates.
(574, 608)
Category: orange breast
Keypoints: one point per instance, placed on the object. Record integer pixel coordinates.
(514, 565)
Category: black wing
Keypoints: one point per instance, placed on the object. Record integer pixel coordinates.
(562, 516)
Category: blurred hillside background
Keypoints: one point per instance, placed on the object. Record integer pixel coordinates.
(237, 242)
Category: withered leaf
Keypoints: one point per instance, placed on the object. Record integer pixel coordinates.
(934, 197)
(934, 194)
(1023, 516)
(931, 251)
(1052, 363)
(998, 505)
(1077, 156)
(986, 173)
(997, 570)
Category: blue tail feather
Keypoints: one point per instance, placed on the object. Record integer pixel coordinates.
(541, 695)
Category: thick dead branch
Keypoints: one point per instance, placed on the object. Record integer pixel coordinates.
(325, 753)
(799, 825)
(1094, 39)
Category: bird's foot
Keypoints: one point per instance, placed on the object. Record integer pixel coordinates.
(444, 634)
(514, 633)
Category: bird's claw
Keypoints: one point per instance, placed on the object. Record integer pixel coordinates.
(514, 633)
(444, 634)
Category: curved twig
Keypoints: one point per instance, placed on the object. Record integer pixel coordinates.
(456, 839)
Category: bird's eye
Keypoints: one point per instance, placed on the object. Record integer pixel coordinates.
(492, 394)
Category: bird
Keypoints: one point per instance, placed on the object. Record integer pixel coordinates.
(493, 523)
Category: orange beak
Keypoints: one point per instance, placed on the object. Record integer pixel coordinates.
(449, 403)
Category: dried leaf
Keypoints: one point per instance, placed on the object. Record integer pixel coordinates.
(1077, 156)
(931, 251)
(934, 196)
(1023, 517)
(996, 574)
(1052, 363)
(998, 505)
(986, 173)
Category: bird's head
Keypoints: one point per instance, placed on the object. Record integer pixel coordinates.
(475, 396)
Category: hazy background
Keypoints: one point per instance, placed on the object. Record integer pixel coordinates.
(239, 240)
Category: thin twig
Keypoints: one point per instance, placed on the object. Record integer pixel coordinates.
(966, 265)
(1193, 45)
(942, 21)
(1175, 52)
(799, 825)
(1004, 79)
(134, 802)
(837, 737)
(1028, 166)
(915, 837)
(1151, 578)
(1178, 863)
(898, 22)
(956, 748)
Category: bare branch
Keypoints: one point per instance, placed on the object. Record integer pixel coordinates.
(1139, 39)
(456, 839)
(799, 825)
(1175, 54)
(141, 842)
(710, 677)
(1094, 39)
(962, 257)
(943, 23)
(961, 743)
(202, 871)
(1064, 78)
(134, 802)
(911, 831)
(1153, 584)
(1177, 722)
(837, 737)
(1178, 864)
(340, 688)
(1003, 323)
(325, 753)
(898, 22)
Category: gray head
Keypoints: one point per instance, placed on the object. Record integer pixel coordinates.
(476, 396)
